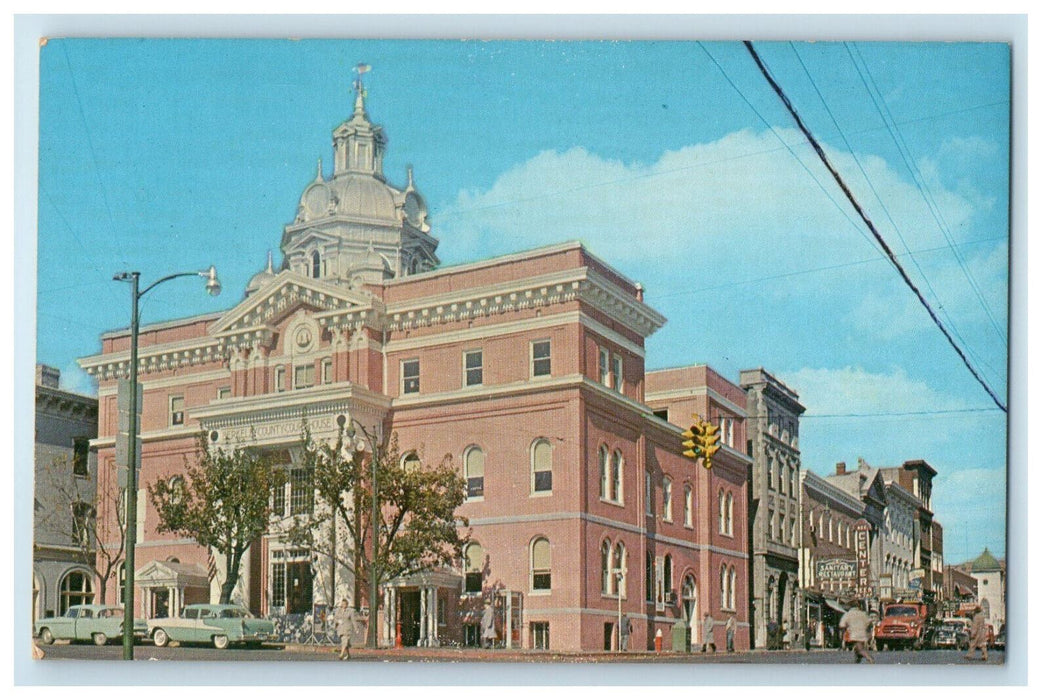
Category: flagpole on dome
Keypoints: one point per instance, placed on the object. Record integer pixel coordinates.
(358, 84)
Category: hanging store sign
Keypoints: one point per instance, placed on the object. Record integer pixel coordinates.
(835, 570)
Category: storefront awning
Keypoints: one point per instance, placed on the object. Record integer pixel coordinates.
(835, 605)
(963, 591)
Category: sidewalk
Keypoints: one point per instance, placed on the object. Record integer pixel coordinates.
(476, 655)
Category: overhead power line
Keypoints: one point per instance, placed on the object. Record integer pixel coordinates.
(866, 220)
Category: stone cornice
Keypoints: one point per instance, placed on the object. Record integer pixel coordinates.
(329, 399)
(154, 358)
(65, 403)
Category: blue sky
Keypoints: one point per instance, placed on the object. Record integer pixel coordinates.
(673, 161)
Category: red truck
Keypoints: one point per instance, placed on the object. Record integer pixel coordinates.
(902, 626)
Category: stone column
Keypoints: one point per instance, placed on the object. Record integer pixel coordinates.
(424, 620)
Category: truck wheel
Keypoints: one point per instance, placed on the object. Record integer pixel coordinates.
(46, 637)
(99, 639)
(917, 646)
(220, 641)
(160, 638)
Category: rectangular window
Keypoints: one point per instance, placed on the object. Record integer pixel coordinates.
(602, 366)
(225, 392)
(410, 377)
(648, 493)
(300, 492)
(304, 376)
(541, 358)
(278, 379)
(540, 635)
(277, 586)
(473, 582)
(178, 407)
(81, 523)
(80, 451)
(662, 414)
(326, 371)
(473, 371)
(280, 505)
(617, 373)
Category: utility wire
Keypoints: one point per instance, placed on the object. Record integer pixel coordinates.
(950, 243)
(923, 188)
(870, 226)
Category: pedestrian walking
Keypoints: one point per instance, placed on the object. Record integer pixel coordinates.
(979, 636)
(624, 632)
(708, 634)
(344, 624)
(730, 634)
(855, 623)
(488, 626)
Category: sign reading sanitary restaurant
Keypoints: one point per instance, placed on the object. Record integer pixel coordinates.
(836, 570)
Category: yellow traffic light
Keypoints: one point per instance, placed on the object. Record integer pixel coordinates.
(693, 442)
(710, 442)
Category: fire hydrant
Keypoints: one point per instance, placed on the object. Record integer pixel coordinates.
(659, 641)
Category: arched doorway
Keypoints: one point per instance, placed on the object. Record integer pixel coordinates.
(689, 608)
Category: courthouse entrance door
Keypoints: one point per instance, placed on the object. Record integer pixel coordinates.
(408, 616)
(300, 587)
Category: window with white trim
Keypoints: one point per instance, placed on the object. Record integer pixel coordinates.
(327, 375)
(602, 366)
(617, 373)
(724, 586)
(473, 565)
(410, 376)
(301, 492)
(668, 577)
(278, 378)
(224, 392)
(618, 573)
(473, 371)
(730, 510)
(604, 463)
(474, 466)
(648, 493)
(722, 512)
(540, 565)
(304, 376)
(542, 466)
(617, 476)
(177, 404)
(668, 492)
(540, 358)
(688, 505)
(606, 568)
(732, 588)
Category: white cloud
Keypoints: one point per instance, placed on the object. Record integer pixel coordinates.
(73, 378)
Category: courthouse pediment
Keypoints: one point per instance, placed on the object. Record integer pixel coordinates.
(257, 317)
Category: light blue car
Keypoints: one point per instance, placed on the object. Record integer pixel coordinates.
(97, 623)
(219, 625)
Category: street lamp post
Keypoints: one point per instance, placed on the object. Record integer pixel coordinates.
(131, 490)
(619, 574)
(374, 442)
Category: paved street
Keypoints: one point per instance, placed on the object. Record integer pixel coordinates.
(294, 653)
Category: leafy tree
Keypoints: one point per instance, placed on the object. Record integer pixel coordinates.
(418, 526)
(221, 501)
(92, 521)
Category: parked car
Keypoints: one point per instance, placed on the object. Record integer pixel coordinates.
(952, 633)
(220, 625)
(98, 623)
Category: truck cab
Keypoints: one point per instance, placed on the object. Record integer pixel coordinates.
(902, 626)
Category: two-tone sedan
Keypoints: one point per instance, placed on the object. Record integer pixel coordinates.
(219, 625)
(97, 623)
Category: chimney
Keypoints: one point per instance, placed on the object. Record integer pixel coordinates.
(839, 468)
(47, 376)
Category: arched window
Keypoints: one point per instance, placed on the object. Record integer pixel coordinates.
(620, 569)
(474, 460)
(542, 466)
(315, 265)
(668, 510)
(688, 505)
(75, 590)
(724, 586)
(821, 526)
(606, 567)
(617, 476)
(688, 601)
(650, 575)
(410, 462)
(606, 468)
(668, 576)
(473, 566)
(732, 588)
(730, 514)
(540, 564)
(839, 533)
(722, 512)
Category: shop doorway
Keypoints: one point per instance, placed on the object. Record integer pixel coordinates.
(408, 617)
(161, 603)
(610, 628)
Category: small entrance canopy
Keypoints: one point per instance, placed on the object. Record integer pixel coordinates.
(169, 585)
(834, 605)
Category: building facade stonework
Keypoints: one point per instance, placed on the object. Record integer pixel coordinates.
(773, 411)
(528, 369)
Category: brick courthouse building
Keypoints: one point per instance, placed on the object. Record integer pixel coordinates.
(529, 369)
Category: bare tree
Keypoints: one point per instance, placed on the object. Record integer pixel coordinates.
(90, 520)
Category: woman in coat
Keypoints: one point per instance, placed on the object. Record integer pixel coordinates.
(344, 623)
